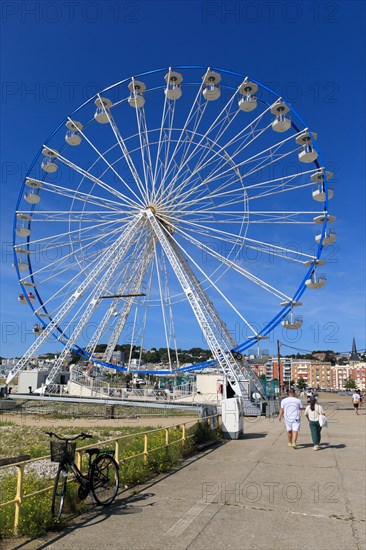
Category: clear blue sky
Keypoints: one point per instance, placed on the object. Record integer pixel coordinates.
(54, 55)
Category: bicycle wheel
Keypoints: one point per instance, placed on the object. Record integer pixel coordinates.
(59, 491)
(104, 479)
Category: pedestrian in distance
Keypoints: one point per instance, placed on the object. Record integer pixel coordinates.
(312, 412)
(356, 398)
(290, 410)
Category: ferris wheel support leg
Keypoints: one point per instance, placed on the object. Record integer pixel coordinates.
(136, 278)
(245, 372)
(125, 242)
(106, 258)
(123, 288)
(208, 319)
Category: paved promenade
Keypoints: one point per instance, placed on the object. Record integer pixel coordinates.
(253, 493)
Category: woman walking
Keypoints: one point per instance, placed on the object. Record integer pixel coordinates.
(312, 412)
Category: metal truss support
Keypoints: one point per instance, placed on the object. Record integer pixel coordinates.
(106, 259)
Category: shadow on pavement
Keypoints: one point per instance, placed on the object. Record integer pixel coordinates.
(340, 446)
(254, 435)
(323, 446)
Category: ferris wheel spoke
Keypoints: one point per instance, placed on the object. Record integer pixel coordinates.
(201, 184)
(162, 298)
(263, 156)
(66, 258)
(269, 216)
(221, 123)
(268, 153)
(79, 195)
(54, 215)
(250, 131)
(213, 284)
(261, 166)
(275, 186)
(245, 137)
(116, 173)
(122, 145)
(282, 180)
(54, 238)
(144, 151)
(186, 144)
(247, 274)
(192, 116)
(165, 133)
(204, 202)
(126, 200)
(198, 188)
(266, 247)
(276, 190)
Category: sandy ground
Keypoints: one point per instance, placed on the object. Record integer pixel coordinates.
(43, 421)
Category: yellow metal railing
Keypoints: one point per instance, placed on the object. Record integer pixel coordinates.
(20, 466)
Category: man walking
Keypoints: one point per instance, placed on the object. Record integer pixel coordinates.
(356, 398)
(290, 409)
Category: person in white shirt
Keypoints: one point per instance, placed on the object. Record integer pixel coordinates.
(356, 401)
(290, 410)
(312, 413)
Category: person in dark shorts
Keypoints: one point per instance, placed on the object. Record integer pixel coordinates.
(356, 398)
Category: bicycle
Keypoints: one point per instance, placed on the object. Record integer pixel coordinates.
(101, 479)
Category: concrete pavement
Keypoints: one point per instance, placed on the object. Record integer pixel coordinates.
(253, 493)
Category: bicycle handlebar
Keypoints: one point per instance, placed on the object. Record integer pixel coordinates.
(80, 436)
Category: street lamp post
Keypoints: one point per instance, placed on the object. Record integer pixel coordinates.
(280, 370)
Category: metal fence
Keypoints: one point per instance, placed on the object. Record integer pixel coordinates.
(98, 388)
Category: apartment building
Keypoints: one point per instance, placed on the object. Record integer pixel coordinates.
(301, 368)
(272, 371)
(340, 375)
(359, 375)
(319, 375)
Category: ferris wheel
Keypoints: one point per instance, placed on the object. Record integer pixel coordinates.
(184, 206)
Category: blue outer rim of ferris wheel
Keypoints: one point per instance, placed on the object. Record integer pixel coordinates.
(285, 309)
